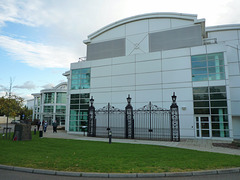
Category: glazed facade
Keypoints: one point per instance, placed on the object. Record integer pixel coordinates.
(50, 104)
(151, 56)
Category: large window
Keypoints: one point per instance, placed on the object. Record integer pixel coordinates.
(60, 109)
(78, 112)
(48, 109)
(80, 78)
(208, 67)
(210, 108)
(61, 97)
(48, 98)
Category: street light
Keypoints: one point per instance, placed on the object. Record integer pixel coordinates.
(129, 99)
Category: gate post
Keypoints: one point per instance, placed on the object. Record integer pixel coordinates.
(91, 120)
(175, 129)
(129, 121)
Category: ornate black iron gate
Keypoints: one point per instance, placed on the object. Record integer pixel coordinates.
(148, 122)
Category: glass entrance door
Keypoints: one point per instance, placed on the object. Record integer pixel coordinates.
(203, 128)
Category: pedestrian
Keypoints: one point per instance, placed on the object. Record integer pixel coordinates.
(54, 124)
(38, 124)
(43, 122)
(45, 126)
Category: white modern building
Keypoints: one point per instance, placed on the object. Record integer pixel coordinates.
(150, 56)
(50, 104)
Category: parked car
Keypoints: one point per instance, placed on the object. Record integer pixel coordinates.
(15, 122)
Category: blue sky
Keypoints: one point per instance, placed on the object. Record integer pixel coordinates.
(40, 38)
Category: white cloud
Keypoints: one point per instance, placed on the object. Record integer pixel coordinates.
(27, 85)
(36, 54)
(48, 86)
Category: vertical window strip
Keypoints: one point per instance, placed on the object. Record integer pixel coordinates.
(216, 96)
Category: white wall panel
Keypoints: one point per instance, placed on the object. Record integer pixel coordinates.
(224, 35)
(176, 63)
(102, 98)
(235, 94)
(217, 83)
(213, 48)
(136, 44)
(101, 62)
(148, 66)
(148, 78)
(198, 50)
(234, 81)
(236, 131)
(137, 27)
(159, 24)
(124, 59)
(235, 108)
(122, 69)
(233, 69)
(178, 85)
(114, 33)
(149, 86)
(177, 76)
(124, 80)
(180, 23)
(232, 54)
(101, 71)
(176, 53)
(148, 56)
(148, 95)
(100, 82)
(186, 122)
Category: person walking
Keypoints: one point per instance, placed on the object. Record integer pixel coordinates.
(45, 126)
(54, 124)
(38, 124)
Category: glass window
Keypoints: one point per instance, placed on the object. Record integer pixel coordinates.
(48, 109)
(61, 97)
(80, 78)
(79, 104)
(212, 101)
(61, 109)
(208, 67)
(48, 98)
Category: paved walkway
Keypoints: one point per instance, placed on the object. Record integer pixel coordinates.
(194, 144)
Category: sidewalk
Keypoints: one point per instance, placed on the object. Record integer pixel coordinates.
(194, 144)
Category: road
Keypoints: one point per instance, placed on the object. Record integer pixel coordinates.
(13, 175)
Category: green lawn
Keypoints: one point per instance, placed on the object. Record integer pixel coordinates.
(86, 156)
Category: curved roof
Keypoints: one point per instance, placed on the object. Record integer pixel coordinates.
(189, 17)
(56, 87)
(223, 27)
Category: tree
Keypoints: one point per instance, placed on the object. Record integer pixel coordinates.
(11, 106)
(26, 113)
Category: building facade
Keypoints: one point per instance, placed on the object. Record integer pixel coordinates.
(50, 104)
(150, 56)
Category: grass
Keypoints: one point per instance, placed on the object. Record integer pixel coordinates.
(85, 156)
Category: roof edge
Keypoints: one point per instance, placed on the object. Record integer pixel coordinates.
(223, 27)
(192, 17)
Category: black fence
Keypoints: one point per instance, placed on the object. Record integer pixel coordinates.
(149, 122)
